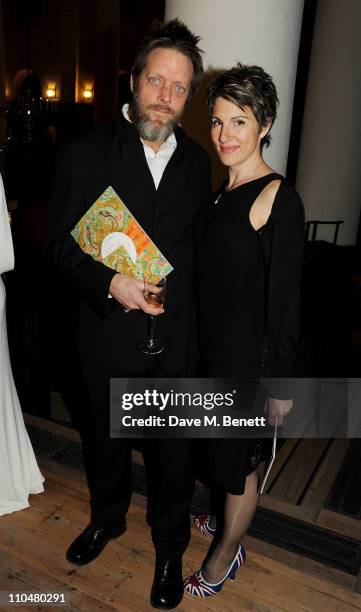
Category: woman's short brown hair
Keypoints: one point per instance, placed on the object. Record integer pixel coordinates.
(247, 86)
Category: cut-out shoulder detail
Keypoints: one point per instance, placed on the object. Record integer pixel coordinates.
(262, 206)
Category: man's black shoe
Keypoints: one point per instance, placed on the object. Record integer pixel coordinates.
(91, 542)
(167, 589)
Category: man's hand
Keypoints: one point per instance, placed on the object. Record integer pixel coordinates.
(129, 291)
(277, 408)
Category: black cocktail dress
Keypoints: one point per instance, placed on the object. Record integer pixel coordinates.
(233, 263)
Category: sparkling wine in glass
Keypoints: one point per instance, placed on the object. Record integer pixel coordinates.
(152, 346)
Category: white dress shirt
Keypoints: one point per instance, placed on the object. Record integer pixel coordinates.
(156, 161)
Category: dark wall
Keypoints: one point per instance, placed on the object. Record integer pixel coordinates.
(82, 41)
(32, 38)
(135, 17)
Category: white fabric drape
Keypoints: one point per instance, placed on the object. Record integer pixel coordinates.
(6, 243)
(19, 472)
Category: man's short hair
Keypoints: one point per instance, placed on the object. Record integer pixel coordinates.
(171, 35)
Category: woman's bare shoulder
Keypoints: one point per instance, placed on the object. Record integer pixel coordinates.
(270, 191)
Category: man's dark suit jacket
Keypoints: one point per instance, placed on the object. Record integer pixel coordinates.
(113, 155)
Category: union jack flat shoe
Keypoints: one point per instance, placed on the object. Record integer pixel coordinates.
(198, 587)
(202, 524)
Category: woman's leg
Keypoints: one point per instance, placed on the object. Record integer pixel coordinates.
(238, 514)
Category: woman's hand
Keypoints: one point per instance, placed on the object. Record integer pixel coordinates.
(277, 409)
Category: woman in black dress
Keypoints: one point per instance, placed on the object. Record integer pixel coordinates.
(253, 234)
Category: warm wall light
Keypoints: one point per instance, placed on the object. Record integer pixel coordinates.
(88, 94)
(51, 91)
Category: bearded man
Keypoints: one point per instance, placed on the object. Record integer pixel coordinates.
(163, 177)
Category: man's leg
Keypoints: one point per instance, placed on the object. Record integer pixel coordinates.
(170, 481)
(108, 468)
(112, 477)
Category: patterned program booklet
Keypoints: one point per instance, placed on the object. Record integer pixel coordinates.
(110, 234)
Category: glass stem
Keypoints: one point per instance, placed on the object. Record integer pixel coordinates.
(151, 328)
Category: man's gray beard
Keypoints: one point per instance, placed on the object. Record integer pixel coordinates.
(148, 129)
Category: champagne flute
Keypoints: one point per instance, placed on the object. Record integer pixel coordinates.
(151, 346)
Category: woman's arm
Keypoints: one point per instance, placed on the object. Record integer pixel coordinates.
(284, 291)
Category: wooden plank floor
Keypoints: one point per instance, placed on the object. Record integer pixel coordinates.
(298, 485)
(301, 479)
(33, 544)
